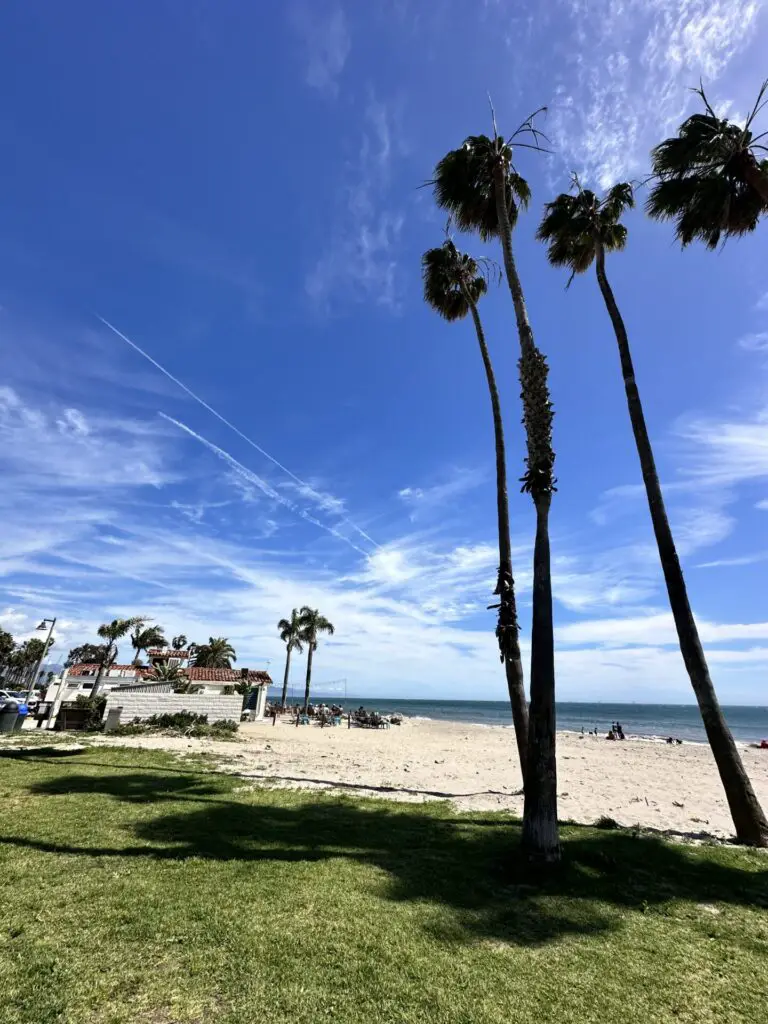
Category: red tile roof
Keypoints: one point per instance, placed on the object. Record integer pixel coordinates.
(167, 652)
(227, 675)
(92, 669)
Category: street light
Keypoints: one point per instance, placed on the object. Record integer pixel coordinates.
(41, 659)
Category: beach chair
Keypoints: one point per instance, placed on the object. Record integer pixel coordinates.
(303, 719)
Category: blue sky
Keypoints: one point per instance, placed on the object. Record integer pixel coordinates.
(235, 187)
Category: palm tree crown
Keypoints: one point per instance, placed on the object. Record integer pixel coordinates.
(452, 280)
(464, 184)
(711, 178)
(217, 653)
(143, 638)
(313, 623)
(290, 631)
(575, 226)
(179, 643)
(116, 630)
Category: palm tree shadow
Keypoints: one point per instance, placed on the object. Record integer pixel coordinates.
(471, 866)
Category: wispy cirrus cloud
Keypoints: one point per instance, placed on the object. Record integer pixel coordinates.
(360, 261)
(326, 42)
(627, 70)
(757, 342)
(424, 501)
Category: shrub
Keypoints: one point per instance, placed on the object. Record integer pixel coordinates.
(95, 708)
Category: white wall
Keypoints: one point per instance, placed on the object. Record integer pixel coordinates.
(144, 705)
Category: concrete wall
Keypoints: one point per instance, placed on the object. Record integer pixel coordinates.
(144, 705)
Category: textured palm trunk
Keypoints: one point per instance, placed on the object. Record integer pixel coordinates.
(507, 630)
(748, 818)
(285, 677)
(100, 673)
(540, 829)
(541, 837)
(309, 676)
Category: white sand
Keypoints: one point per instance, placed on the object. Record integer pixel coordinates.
(673, 788)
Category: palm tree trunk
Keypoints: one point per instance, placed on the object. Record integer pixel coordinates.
(100, 673)
(540, 829)
(309, 677)
(541, 837)
(285, 677)
(748, 818)
(507, 630)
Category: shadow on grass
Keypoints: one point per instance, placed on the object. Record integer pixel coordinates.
(39, 753)
(471, 866)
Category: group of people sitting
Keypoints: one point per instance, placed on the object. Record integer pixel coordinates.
(373, 720)
(615, 732)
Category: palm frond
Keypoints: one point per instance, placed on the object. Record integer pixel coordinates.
(451, 280)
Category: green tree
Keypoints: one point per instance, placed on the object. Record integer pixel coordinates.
(481, 189)
(179, 643)
(453, 285)
(112, 632)
(144, 637)
(711, 178)
(290, 634)
(217, 653)
(7, 647)
(580, 229)
(312, 624)
(86, 654)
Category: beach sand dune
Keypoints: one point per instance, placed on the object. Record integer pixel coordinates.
(671, 788)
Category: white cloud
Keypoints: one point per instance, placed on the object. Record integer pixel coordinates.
(360, 260)
(739, 560)
(755, 342)
(326, 41)
(725, 452)
(422, 501)
(653, 631)
(628, 68)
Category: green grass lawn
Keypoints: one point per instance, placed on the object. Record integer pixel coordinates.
(140, 888)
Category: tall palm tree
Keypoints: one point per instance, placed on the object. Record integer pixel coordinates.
(481, 189)
(217, 653)
(453, 285)
(143, 638)
(112, 632)
(712, 177)
(312, 624)
(580, 229)
(290, 634)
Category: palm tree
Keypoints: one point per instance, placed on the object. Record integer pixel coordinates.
(179, 643)
(217, 653)
(112, 632)
(481, 189)
(453, 284)
(143, 638)
(312, 623)
(580, 229)
(163, 671)
(290, 634)
(712, 177)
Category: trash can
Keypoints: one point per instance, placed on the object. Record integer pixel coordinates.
(22, 712)
(8, 716)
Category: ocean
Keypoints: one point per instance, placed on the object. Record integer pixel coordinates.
(748, 724)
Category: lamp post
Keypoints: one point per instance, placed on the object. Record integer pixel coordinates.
(41, 659)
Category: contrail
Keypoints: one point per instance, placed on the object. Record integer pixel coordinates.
(308, 490)
(254, 478)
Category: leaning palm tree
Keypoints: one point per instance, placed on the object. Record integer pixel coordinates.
(217, 653)
(290, 634)
(312, 623)
(712, 177)
(453, 285)
(579, 229)
(112, 632)
(481, 189)
(144, 637)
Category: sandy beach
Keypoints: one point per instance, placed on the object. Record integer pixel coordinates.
(638, 781)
